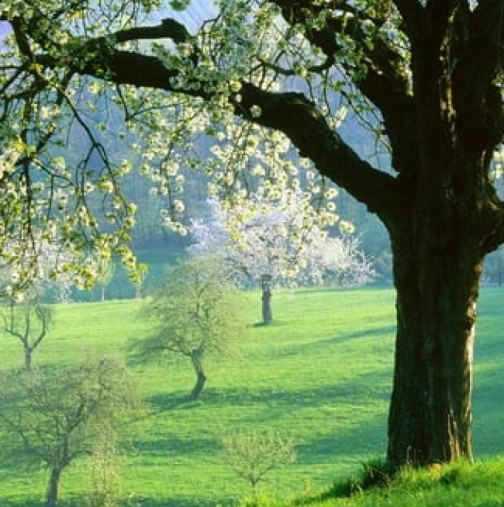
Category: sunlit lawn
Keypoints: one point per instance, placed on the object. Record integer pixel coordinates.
(320, 374)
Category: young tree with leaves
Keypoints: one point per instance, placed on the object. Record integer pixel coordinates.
(424, 75)
(254, 454)
(104, 273)
(51, 417)
(104, 478)
(196, 313)
(279, 242)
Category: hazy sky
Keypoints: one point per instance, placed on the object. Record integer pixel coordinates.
(198, 11)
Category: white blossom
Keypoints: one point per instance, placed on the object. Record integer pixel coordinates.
(283, 240)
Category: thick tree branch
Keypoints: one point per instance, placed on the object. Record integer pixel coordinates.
(290, 113)
(168, 29)
(299, 120)
(439, 17)
(485, 39)
(479, 62)
(385, 82)
(306, 127)
(411, 12)
(385, 66)
(21, 39)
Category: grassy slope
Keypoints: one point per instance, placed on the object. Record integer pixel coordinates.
(456, 485)
(321, 374)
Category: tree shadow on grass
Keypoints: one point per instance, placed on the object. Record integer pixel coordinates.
(177, 502)
(376, 331)
(369, 437)
(355, 388)
(169, 401)
(173, 445)
(338, 339)
(139, 501)
(274, 323)
(272, 404)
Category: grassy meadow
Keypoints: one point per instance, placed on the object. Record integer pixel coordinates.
(321, 375)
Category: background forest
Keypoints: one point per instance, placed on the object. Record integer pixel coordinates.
(157, 245)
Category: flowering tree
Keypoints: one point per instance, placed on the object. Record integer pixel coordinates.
(104, 273)
(56, 272)
(280, 242)
(424, 75)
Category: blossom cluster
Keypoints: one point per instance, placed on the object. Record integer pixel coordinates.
(284, 240)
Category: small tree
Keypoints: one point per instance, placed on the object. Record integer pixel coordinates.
(51, 417)
(104, 274)
(280, 242)
(252, 455)
(197, 313)
(29, 321)
(105, 490)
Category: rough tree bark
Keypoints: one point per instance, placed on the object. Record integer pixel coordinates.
(439, 241)
(436, 277)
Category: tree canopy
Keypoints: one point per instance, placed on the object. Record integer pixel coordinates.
(282, 65)
(281, 240)
(50, 417)
(279, 244)
(196, 314)
(424, 75)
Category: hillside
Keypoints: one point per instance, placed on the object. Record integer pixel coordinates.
(320, 375)
(456, 485)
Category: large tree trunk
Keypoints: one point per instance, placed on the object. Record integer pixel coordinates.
(437, 277)
(53, 488)
(448, 220)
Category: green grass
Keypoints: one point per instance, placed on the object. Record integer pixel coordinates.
(321, 375)
(456, 485)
